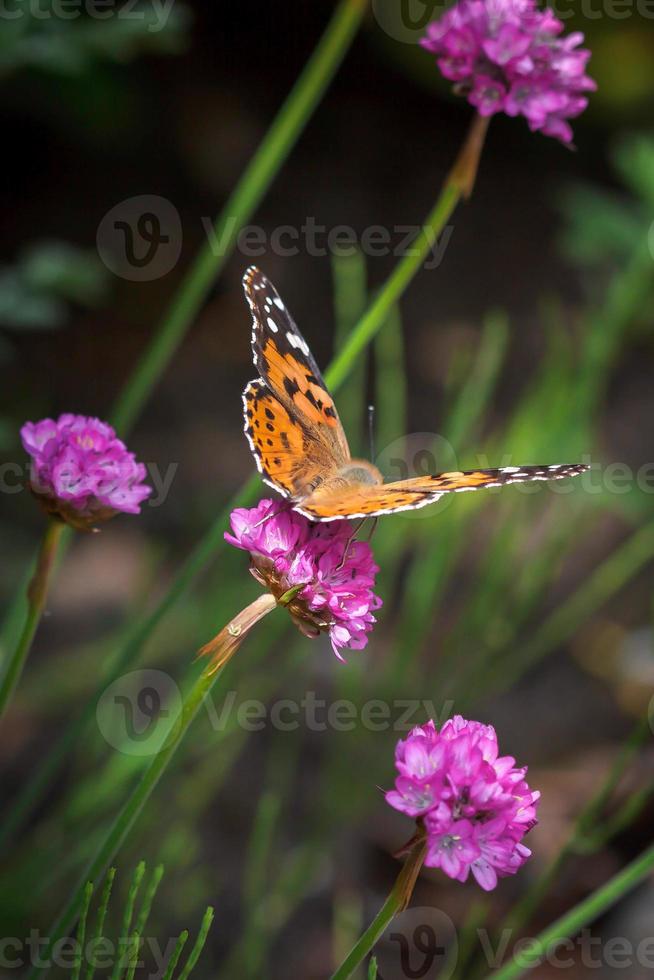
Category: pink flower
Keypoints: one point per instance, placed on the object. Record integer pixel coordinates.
(331, 577)
(508, 56)
(474, 804)
(265, 531)
(81, 472)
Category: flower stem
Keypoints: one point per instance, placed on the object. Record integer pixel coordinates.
(396, 902)
(256, 180)
(395, 285)
(583, 913)
(141, 793)
(37, 592)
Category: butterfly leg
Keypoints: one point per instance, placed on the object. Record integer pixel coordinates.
(373, 527)
(349, 542)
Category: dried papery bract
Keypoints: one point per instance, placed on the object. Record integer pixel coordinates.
(223, 646)
(464, 172)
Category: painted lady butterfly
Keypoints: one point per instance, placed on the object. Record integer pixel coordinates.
(299, 445)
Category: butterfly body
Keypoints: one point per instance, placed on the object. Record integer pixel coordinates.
(299, 445)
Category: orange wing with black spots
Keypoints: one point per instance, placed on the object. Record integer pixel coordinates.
(284, 455)
(336, 502)
(290, 418)
(288, 369)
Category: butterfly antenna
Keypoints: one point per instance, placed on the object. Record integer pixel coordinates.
(275, 513)
(371, 431)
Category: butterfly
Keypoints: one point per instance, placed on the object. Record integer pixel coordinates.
(298, 442)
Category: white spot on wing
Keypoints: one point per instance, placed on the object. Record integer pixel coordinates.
(297, 342)
(273, 326)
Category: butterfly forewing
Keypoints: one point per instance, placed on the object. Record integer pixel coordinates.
(317, 446)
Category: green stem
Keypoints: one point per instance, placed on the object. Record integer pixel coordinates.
(587, 911)
(141, 793)
(61, 748)
(395, 285)
(255, 182)
(36, 596)
(396, 902)
(131, 810)
(459, 183)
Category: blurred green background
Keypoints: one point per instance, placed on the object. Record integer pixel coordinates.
(530, 342)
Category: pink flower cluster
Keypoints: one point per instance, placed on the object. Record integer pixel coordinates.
(81, 471)
(288, 550)
(475, 805)
(508, 56)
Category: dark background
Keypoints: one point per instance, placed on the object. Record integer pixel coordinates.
(182, 121)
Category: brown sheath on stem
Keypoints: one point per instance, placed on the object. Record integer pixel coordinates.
(464, 172)
(223, 646)
(416, 851)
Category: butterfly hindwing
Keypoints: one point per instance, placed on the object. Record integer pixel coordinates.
(363, 500)
(278, 442)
